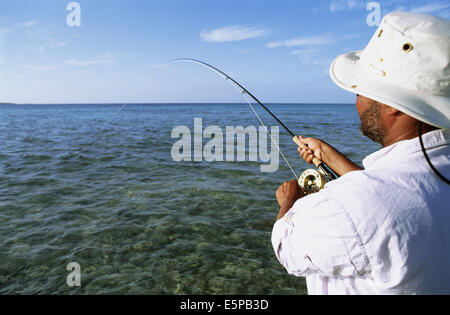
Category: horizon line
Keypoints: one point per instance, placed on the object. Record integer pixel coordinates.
(176, 103)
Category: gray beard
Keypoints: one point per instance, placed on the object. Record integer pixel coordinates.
(371, 125)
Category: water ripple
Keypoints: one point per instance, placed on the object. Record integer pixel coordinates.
(108, 196)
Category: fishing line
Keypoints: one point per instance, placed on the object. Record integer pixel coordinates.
(270, 135)
(138, 89)
(244, 93)
(230, 81)
(242, 89)
(312, 180)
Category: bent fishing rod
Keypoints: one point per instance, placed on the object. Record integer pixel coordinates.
(311, 180)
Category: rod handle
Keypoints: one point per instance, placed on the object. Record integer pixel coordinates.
(317, 162)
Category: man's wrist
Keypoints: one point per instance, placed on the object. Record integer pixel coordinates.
(338, 162)
(328, 152)
(289, 203)
(285, 209)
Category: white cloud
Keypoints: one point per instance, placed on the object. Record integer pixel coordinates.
(305, 55)
(430, 7)
(86, 63)
(341, 5)
(45, 38)
(303, 41)
(396, 9)
(337, 6)
(4, 32)
(311, 57)
(60, 44)
(232, 33)
(48, 82)
(107, 58)
(26, 24)
(36, 68)
(41, 49)
(353, 4)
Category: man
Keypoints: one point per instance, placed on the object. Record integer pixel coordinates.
(384, 229)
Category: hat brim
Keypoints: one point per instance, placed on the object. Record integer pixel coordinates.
(346, 71)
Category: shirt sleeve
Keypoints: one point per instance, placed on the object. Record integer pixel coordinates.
(317, 237)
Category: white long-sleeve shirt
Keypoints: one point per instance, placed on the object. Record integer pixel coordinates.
(383, 230)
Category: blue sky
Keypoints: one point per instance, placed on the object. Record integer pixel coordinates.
(280, 50)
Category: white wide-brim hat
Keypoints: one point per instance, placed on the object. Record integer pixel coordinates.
(406, 65)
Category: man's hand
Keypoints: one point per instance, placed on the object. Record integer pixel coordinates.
(315, 148)
(326, 153)
(287, 195)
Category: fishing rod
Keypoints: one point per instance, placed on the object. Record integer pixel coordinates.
(311, 180)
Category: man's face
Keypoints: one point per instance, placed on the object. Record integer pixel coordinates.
(371, 120)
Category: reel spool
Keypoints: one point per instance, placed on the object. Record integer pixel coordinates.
(312, 181)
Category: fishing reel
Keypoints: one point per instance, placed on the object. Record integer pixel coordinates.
(312, 181)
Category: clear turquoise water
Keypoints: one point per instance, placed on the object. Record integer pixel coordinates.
(82, 184)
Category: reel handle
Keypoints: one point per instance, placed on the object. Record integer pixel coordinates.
(317, 162)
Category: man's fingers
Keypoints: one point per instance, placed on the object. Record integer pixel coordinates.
(302, 151)
(305, 141)
(307, 155)
(310, 159)
(291, 182)
(287, 184)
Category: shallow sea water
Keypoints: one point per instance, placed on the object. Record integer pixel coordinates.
(86, 184)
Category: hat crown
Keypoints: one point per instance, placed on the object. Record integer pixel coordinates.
(412, 51)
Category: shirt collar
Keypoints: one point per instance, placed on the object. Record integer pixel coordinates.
(400, 149)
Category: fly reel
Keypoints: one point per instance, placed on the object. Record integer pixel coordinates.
(312, 181)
